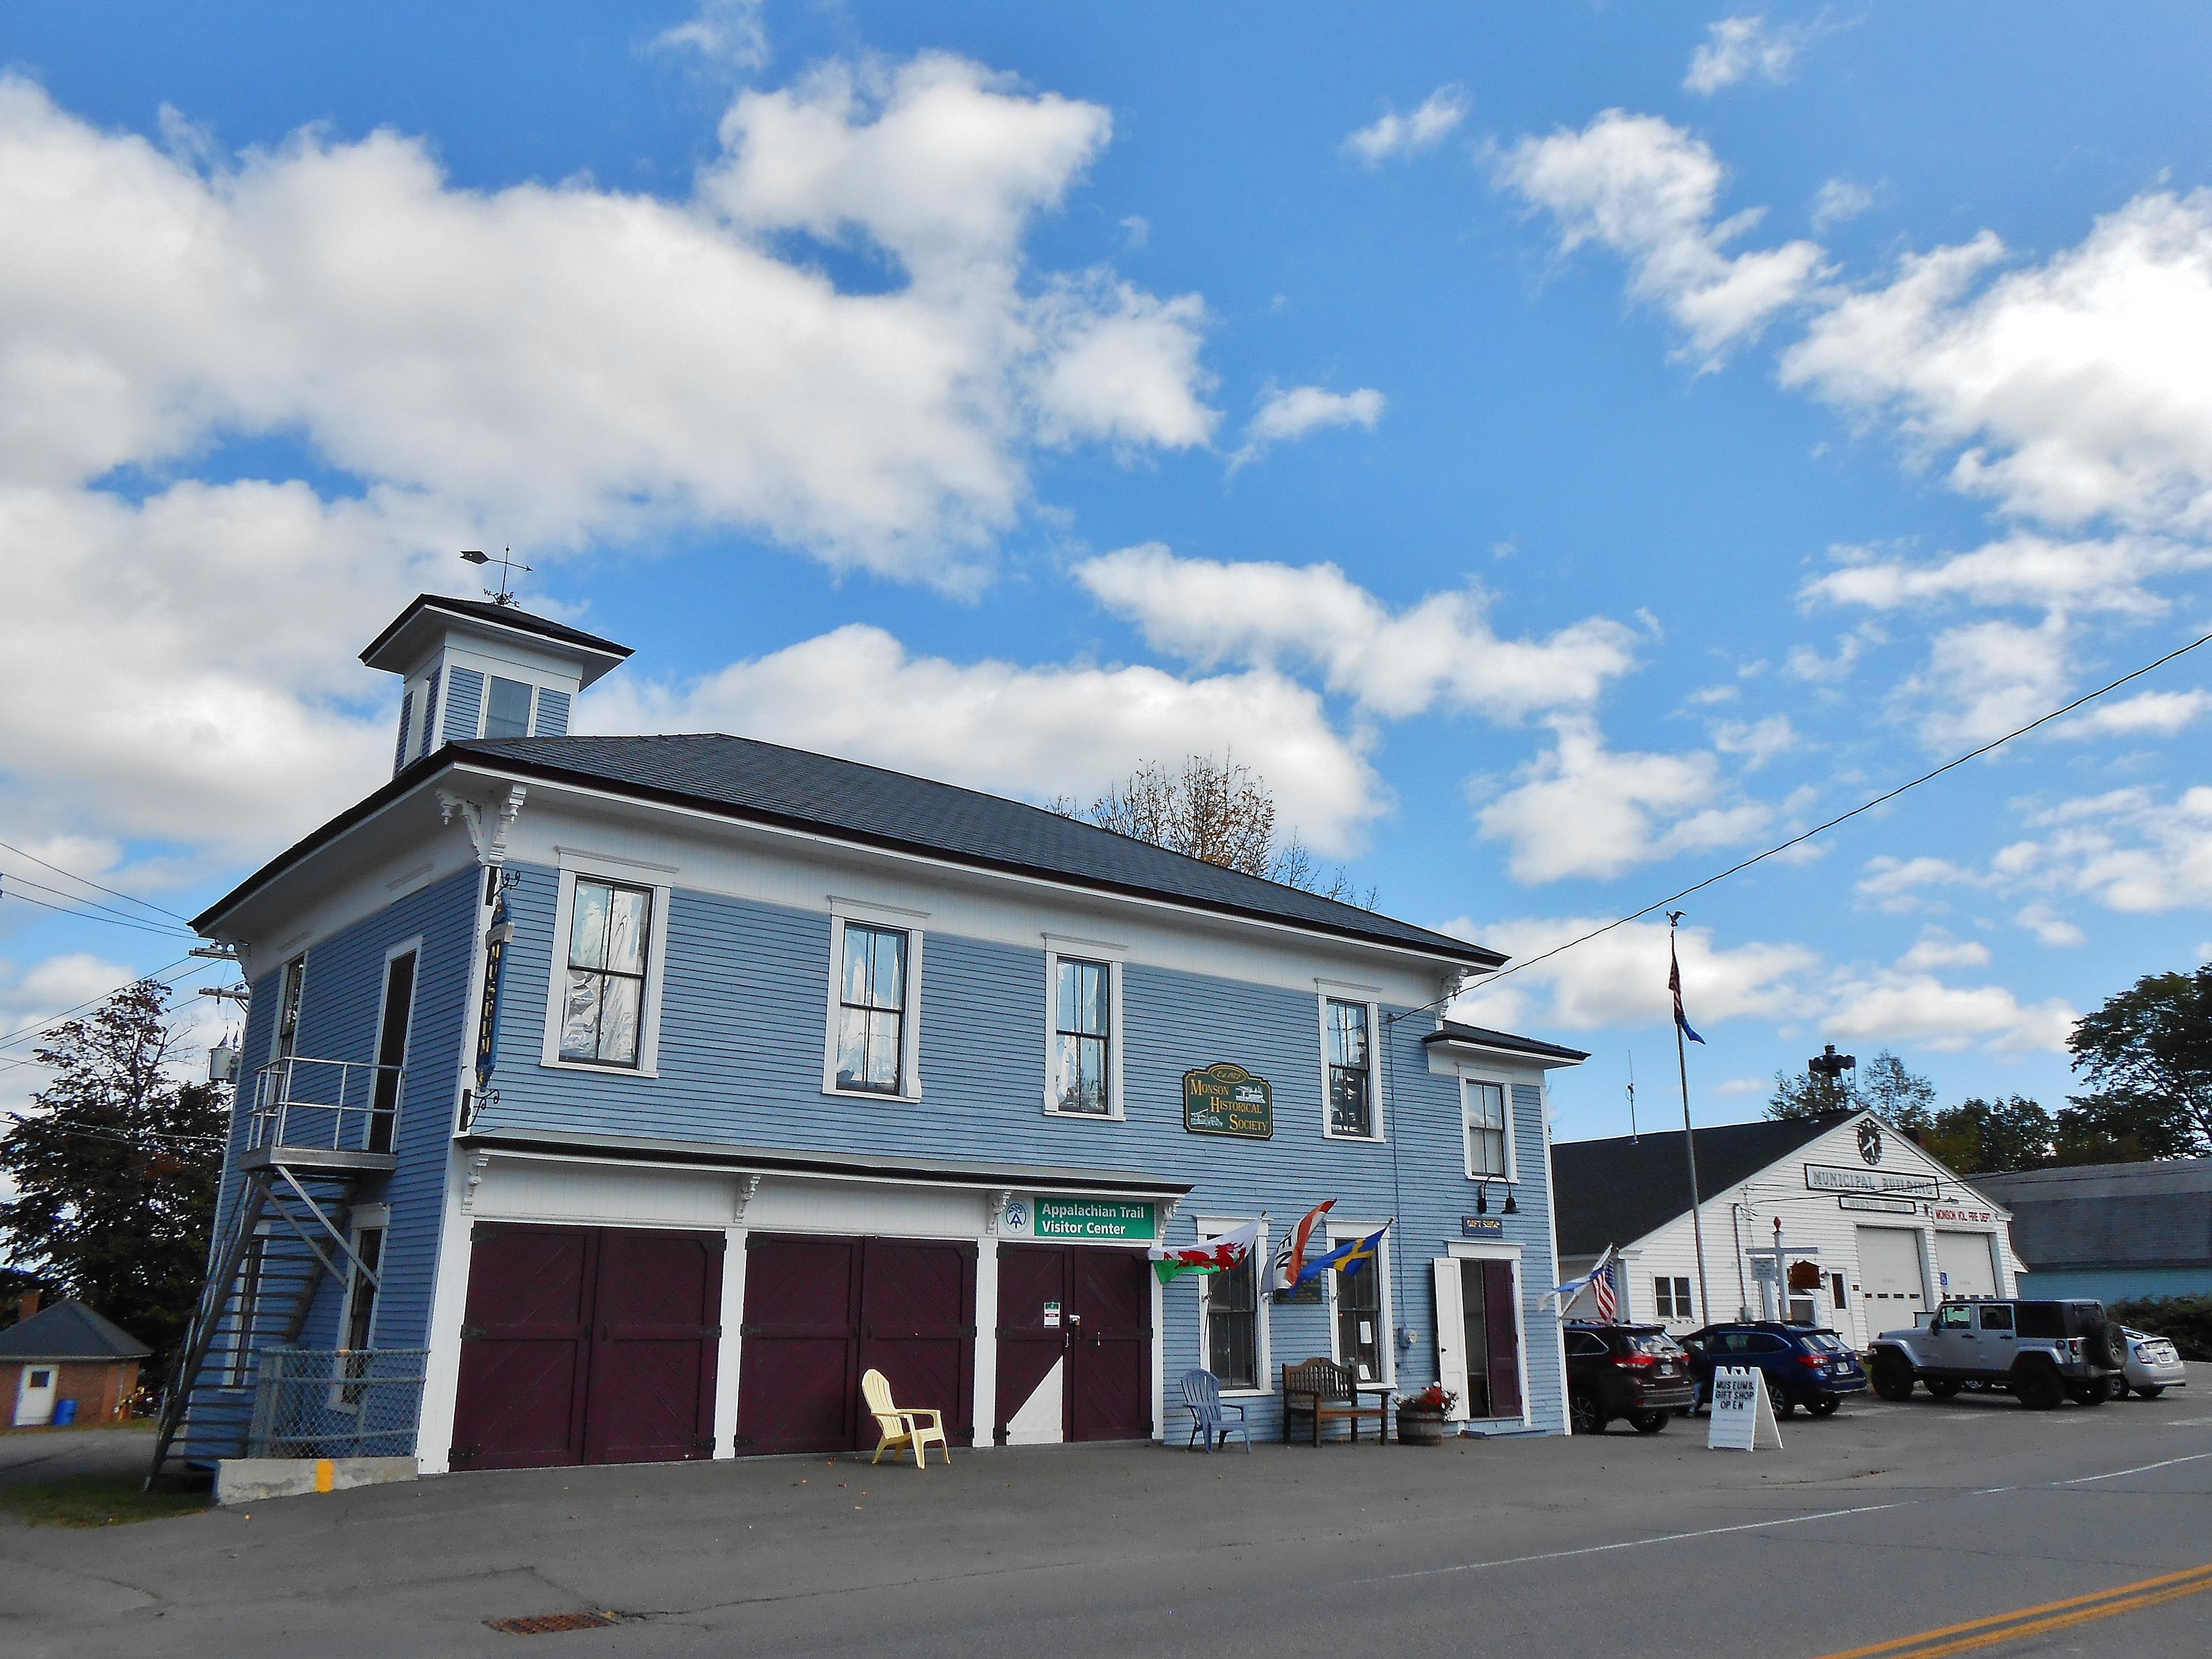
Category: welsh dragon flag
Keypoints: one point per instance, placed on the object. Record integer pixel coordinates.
(1210, 1255)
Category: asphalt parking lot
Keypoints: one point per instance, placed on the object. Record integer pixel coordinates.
(1883, 1522)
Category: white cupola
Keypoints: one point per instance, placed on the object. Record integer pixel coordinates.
(474, 669)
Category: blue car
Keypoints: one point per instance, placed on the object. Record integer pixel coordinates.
(1807, 1366)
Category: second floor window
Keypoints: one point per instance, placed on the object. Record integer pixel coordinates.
(872, 1009)
(288, 998)
(1081, 1035)
(506, 708)
(610, 928)
(1485, 1106)
(1350, 1093)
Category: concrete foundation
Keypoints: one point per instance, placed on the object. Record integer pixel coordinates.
(249, 1480)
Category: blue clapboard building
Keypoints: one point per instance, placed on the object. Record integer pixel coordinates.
(624, 1099)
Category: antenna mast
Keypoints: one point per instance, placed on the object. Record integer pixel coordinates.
(1632, 1095)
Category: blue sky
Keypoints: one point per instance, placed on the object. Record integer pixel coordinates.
(1565, 452)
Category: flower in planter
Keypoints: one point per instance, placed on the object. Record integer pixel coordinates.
(1434, 1398)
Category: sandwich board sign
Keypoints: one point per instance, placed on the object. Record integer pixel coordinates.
(1742, 1415)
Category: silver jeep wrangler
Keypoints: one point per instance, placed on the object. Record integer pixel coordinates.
(2042, 1352)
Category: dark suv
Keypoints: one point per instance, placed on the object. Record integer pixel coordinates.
(1635, 1372)
(1807, 1366)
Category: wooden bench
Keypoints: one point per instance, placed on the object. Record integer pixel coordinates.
(1323, 1390)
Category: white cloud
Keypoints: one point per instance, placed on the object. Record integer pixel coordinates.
(553, 369)
(1037, 732)
(2127, 850)
(2023, 569)
(1984, 680)
(1648, 191)
(727, 35)
(1440, 112)
(1584, 810)
(1620, 978)
(1757, 741)
(1897, 882)
(2146, 714)
(2049, 927)
(1839, 200)
(2076, 390)
(1747, 47)
(1440, 651)
(1807, 664)
(1740, 1085)
(1905, 1007)
(1290, 413)
(1938, 950)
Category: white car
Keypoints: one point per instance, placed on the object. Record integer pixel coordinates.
(2154, 1366)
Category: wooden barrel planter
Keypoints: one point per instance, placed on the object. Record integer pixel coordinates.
(1420, 1426)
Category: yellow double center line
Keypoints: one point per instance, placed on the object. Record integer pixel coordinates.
(2025, 1622)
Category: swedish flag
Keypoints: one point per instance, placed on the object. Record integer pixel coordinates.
(1348, 1257)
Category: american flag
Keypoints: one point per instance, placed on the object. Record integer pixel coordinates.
(1602, 1289)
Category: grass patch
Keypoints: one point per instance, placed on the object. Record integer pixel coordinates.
(99, 1500)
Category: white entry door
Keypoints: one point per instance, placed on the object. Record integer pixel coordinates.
(1892, 1289)
(34, 1397)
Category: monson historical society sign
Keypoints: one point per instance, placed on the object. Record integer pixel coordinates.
(1226, 1099)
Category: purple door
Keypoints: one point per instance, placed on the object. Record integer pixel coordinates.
(1504, 1339)
(1033, 1297)
(917, 1328)
(1109, 1349)
(586, 1345)
(654, 1335)
(799, 1374)
(526, 1344)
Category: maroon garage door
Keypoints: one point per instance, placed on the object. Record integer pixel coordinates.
(820, 1312)
(1092, 1308)
(587, 1345)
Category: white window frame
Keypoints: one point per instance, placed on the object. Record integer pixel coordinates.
(1330, 991)
(483, 699)
(1263, 1363)
(1481, 1251)
(1473, 1074)
(1345, 1233)
(1057, 946)
(909, 922)
(368, 1218)
(277, 1050)
(557, 976)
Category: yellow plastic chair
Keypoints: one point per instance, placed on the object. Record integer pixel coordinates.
(903, 1429)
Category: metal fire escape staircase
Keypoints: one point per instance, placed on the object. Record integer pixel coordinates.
(318, 1128)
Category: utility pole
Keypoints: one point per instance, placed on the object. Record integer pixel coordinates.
(1689, 1134)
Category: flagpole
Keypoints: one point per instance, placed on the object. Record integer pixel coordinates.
(1689, 1133)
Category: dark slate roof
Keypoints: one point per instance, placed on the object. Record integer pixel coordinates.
(1613, 1192)
(766, 783)
(69, 1330)
(501, 615)
(1453, 1032)
(2110, 1215)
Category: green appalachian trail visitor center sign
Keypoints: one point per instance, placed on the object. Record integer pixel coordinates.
(1109, 1220)
(1226, 1099)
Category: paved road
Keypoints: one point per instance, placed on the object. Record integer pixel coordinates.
(1879, 1524)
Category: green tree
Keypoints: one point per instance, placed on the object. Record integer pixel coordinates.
(1884, 1086)
(1987, 1136)
(2148, 1053)
(115, 1167)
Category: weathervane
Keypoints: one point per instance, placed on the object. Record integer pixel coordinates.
(507, 567)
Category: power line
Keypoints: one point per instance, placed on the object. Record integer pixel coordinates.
(162, 928)
(89, 882)
(1819, 828)
(128, 1140)
(9, 880)
(185, 963)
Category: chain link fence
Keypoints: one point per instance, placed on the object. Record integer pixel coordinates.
(324, 1402)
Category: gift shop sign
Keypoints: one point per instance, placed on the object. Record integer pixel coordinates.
(1226, 1099)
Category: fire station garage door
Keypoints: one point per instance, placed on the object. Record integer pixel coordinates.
(1965, 1260)
(822, 1312)
(587, 1345)
(1890, 1277)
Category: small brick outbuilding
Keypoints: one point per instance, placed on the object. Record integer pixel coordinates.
(67, 1351)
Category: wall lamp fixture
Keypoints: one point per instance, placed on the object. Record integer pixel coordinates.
(1482, 1196)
